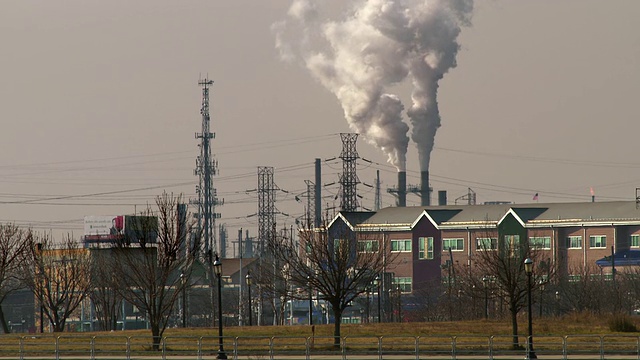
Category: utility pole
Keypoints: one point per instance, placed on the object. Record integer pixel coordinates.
(378, 200)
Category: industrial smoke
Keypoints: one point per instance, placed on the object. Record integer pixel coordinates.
(377, 45)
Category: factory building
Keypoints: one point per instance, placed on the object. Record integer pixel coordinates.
(424, 241)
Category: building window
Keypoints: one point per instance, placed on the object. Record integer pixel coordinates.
(540, 242)
(635, 241)
(453, 244)
(486, 243)
(574, 242)
(367, 245)
(512, 242)
(404, 283)
(338, 244)
(598, 241)
(425, 248)
(401, 245)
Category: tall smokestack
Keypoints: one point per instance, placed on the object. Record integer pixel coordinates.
(425, 192)
(402, 189)
(318, 196)
(442, 197)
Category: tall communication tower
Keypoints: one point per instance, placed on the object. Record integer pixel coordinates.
(206, 168)
(349, 179)
(266, 206)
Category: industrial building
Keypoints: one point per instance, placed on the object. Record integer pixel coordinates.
(423, 241)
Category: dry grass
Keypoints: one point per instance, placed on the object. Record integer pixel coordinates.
(434, 336)
(573, 324)
(576, 324)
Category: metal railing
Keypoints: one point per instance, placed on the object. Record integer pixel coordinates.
(319, 347)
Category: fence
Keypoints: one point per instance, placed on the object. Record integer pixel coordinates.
(316, 348)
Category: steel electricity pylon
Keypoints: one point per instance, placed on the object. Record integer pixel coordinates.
(349, 179)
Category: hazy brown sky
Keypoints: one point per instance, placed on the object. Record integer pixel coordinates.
(101, 97)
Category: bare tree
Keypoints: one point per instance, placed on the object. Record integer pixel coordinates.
(502, 259)
(339, 270)
(59, 275)
(14, 243)
(149, 262)
(105, 293)
(588, 291)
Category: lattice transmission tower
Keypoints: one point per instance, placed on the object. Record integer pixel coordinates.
(206, 168)
(349, 179)
(310, 209)
(266, 207)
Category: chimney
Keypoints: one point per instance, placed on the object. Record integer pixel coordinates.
(425, 191)
(442, 197)
(402, 189)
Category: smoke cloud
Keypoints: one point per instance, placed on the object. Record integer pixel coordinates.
(379, 44)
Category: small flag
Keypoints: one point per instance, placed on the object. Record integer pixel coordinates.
(535, 197)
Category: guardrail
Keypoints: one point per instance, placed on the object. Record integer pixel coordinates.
(320, 347)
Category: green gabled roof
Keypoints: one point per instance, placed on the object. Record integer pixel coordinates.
(528, 214)
(353, 218)
(476, 216)
(442, 215)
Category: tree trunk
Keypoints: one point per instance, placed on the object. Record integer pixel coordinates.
(5, 327)
(514, 327)
(155, 333)
(59, 326)
(337, 313)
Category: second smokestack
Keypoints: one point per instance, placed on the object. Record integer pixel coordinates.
(425, 191)
(402, 189)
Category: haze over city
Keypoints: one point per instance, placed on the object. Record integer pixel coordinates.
(101, 103)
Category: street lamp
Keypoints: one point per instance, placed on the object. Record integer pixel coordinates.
(528, 269)
(399, 304)
(217, 268)
(541, 295)
(249, 278)
(183, 280)
(310, 300)
(377, 283)
(486, 297)
(368, 290)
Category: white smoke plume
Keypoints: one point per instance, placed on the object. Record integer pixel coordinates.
(378, 44)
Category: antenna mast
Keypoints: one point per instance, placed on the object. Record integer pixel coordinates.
(206, 168)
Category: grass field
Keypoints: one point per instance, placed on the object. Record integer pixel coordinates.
(573, 324)
(434, 337)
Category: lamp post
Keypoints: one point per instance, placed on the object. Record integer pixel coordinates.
(377, 283)
(486, 297)
(399, 304)
(541, 295)
(249, 279)
(368, 309)
(310, 300)
(528, 269)
(217, 268)
(183, 280)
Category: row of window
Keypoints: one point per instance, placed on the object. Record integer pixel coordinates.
(457, 244)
